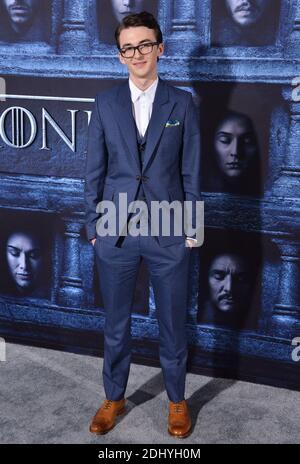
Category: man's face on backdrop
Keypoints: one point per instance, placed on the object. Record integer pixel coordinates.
(122, 8)
(235, 146)
(247, 12)
(20, 12)
(229, 283)
(24, 260)
(140, 66)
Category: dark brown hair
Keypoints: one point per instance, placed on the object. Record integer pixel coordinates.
(139, 19)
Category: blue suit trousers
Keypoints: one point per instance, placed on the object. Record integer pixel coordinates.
(168, 269)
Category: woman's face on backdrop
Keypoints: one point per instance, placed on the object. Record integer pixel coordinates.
(24, 260)
(235, 146)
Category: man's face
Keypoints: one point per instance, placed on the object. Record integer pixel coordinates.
(247, 12)
(23, 255)
(140, 66)
(229, 283)
(235, 146)
(20, 12)
(122, 8)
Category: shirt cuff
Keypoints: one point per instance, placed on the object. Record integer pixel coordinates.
(191, 238)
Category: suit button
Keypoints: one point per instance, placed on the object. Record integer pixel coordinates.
(138, 177)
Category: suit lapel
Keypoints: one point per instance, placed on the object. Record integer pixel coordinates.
(161, 110)
(123, 114)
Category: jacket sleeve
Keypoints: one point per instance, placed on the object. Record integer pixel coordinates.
(95, 172)
(191, 158)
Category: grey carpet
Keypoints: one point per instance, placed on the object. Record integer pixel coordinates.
(49, 396)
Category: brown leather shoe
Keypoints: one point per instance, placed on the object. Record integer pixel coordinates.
(180, 423)
(105, 418)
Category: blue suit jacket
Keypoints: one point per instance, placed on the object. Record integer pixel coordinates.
(171, 167)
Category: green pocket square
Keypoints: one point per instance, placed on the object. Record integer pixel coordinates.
(172, 123)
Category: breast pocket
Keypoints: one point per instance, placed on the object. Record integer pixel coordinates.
(173, 131)
(171, 140)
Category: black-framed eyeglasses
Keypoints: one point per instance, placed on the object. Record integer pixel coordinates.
(144, 49)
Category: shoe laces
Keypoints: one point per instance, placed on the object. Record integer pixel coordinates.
(107, 404)
(178, 408)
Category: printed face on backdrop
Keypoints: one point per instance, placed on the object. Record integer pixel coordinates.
(21, 12)
(140, 66)
(247, 12)
(229, 283)
(122, 8)
(23, 254)
(235, 146)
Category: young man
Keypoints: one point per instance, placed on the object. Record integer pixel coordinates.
(143, 141)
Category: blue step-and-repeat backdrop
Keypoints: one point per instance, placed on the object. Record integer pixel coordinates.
(243, 71)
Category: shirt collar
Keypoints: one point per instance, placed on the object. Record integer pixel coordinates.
(149, 92)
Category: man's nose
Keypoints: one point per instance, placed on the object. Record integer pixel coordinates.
(126, 2)
(138, 54)
(227, 285)
(246, 2)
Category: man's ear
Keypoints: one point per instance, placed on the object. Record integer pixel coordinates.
(121, 59)
(161, 49)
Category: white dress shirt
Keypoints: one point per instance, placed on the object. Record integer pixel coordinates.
(142, 104)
